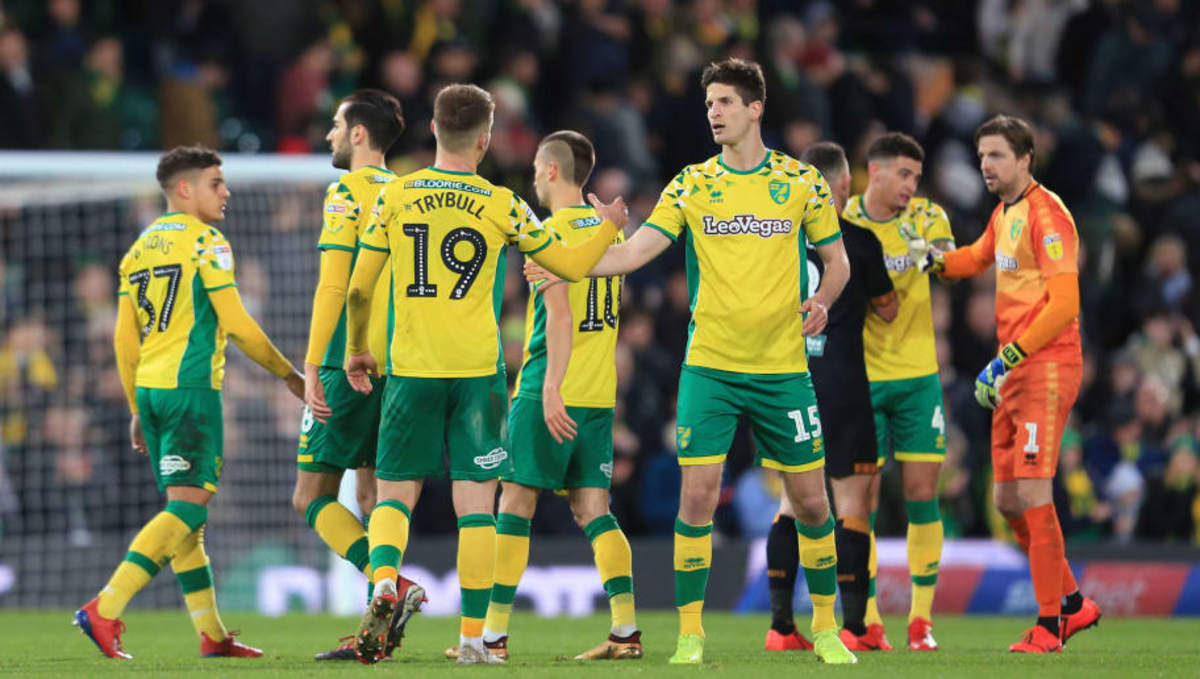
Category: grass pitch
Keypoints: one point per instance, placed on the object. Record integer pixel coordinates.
(44, 644)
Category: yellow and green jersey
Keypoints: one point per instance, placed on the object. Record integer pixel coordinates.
(347, 210)
(905, 347)
(746, 267)
(168, 273)
(446, 234)
(591, 378)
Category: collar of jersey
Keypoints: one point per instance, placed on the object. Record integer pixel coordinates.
(382, 169)
(766, 159)
(1024, 194)
(460, 174)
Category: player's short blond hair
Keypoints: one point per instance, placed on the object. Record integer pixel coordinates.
(573, 152)
(461, 112)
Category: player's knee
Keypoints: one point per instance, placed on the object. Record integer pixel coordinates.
(698, 498)
(812, 509)
(366, 500)
(300, 500)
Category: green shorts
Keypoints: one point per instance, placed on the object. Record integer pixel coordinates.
(185, 435)
(910, 413)
(540, 462)
(424, 416)
(781, 410)
(347, 439)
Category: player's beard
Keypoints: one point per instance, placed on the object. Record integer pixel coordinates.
(341, 157)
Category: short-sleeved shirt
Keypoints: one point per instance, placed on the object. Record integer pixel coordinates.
(744, 254)
(591, 377)
(347, 209)
(838, 352)
(1031, 240)
(906, 347)
(168, 273)
(446, 233)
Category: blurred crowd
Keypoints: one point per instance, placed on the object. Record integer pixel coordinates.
(1112, 86)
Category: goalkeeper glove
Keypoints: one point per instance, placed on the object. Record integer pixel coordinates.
(992, 377)
(926, 257)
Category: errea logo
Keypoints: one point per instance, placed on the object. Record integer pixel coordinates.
(492, 460)
(746, 224)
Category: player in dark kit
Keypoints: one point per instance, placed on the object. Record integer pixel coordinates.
(844, 395)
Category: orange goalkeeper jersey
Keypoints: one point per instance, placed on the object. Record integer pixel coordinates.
(1031, 240)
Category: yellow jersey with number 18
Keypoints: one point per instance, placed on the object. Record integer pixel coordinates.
(446, 234)
(168, 273)
(906, 347)
(591, 378)
(347, 210)
(744, 253)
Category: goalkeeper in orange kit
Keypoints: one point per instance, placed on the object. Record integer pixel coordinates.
(1033, 383)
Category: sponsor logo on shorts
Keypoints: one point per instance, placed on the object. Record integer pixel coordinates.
(171, 464)
(1006, 263)
(606, 469)
(492, 459)
(746, 224)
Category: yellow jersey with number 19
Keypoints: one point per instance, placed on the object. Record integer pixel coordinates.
(591, 378)
(446, 233)
(906, 347)
(746, 265)
(168, 273)
(347, 210)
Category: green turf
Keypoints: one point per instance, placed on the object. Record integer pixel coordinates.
(39, 644)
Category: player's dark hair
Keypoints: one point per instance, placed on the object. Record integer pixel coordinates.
(583, 154)
(184, 159)
(828, 157)
(895, 145)
(1017, 132)
(379, 113)
(744, 76)
(459, 111)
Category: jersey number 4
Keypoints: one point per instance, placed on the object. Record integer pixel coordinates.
(172, 272)
(467, 269)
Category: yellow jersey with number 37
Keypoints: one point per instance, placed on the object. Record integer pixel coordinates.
(446, 234)
(744, 253)
(346, 212)
(906, 347)
(168, 273)
(591, 377)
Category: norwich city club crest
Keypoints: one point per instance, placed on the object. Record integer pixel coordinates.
(780, 191)
(683, 437)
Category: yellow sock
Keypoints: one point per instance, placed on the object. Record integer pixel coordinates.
(925, 536)
(148, 553)
(341, 530)
(388, 535)
(693, 558)
(512, 556)
(614, 560)
(476, 565)
(818, 557)
(192, 569)
(872, 617)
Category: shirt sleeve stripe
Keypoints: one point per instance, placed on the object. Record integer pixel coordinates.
(221, 287)
(126, 293)
(661, 230)
(331, 246)
(828, 239)
(541, 247)
(371, 247)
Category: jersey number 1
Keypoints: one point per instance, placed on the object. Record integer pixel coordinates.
(172, 272)
(467, 269)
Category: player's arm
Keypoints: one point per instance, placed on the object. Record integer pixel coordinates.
(961, 263)
(250, 338)
(127, 344)
(328, 302)
(878, 284)
(574, 263)
(646, 243)
(833, 280)
(361, 363)
(886, 306)
(559, 336)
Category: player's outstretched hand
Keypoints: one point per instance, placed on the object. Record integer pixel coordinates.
(314, 393)
(926, 257)
(359, 368)
(534, 272)
(295, 384)
(135, 435)
(615, 212)
(559, 423)
(816, 317)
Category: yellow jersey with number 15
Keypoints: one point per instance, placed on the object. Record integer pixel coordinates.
(906, 347)
(744, 253)
(591, 378)
(347, 209)
(446, 234)
(168, 273)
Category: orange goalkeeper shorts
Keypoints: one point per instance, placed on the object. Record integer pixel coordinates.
(1027, 427)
